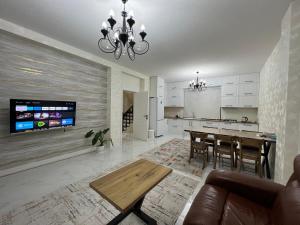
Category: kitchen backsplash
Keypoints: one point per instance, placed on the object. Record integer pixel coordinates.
(227, 113)
(238, 113)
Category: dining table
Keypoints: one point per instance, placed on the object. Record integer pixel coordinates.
(268, 139)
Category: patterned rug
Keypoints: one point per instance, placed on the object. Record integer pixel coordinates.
(78, 204)
(175, 154)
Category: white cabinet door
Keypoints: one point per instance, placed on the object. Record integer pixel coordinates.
(249, 78)
(175, 126)
(231, 126)
(160, 108)
(248, 102)
(248, 127)
(230, 80)
(229, 102)
(211, 124)
(229, 90)
(248, 89)
(197, 124)
(156, 87)
(175, 95)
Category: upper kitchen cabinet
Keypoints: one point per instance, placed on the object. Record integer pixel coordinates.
(248, 91)
(230, 80)
(249, 78)
(175, 94)
(157, 87)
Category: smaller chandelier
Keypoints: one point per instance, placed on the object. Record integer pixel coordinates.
(199, 85)
(119, 40)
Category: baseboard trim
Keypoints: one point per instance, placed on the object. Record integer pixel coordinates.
(32, 165)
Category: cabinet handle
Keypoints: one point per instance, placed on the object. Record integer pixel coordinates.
(229, 94)
(173, 88)
(229, 83)
(174, 96)
(249, 81)
(248, 93)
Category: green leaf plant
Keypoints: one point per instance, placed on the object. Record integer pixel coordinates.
(99, 137)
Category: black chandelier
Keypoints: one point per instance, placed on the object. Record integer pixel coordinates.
(198, 85)
(120, 40)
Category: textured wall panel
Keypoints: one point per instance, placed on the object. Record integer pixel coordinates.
(31, 70)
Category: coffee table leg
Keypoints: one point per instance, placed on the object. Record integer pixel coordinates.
(137, 211)
(143, 216)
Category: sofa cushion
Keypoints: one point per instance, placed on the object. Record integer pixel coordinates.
(241, 211)
(207, 207)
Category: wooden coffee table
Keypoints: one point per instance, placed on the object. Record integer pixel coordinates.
(126, 188)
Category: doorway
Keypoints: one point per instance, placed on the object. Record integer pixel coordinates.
(127, 118)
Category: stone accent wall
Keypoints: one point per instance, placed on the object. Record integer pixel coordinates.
(279, 103)
(30, 70)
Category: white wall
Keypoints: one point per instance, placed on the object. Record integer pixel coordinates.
(131, 83)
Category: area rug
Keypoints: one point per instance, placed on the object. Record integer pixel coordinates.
(175, 154)
(78, 204)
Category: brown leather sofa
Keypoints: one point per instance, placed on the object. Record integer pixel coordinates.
(230, 198)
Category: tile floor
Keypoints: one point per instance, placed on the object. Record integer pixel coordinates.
(22, 187)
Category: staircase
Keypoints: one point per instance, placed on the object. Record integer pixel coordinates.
(127, 119)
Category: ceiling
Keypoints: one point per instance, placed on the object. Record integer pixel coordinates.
(215, 37)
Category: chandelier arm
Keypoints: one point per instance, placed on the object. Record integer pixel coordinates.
(143, 51)
(118, 51)
(131, 53)
(102, 48)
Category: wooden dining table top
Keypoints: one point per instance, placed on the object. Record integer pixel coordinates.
(234, 133)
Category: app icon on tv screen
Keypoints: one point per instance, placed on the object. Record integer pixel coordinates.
(54, 123)
(41, 124)
(66, 122)
(23, 115)
(24, 125)
(41, 116)
(55, 115)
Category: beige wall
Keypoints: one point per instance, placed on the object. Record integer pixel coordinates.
(279, 94)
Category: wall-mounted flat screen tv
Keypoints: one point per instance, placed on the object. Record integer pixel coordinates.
(35, 115)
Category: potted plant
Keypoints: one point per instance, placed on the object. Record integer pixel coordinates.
(99, 137)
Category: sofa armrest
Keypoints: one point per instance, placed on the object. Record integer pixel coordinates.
(256, 189)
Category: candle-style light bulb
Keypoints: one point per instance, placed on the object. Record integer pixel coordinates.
(143, 27)
(104, 25)
(131, 37)
(131, 14)
(116, 36)
(111, 13)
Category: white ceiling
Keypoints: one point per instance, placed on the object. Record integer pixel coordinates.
(216, 37)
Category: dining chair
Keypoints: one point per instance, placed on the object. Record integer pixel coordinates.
(250, 149)
(199, 146)
(225, 146)
(210, 140)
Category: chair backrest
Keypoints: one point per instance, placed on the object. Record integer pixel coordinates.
(286, 209)
(198, 135)
(225, 140)
(251, 143)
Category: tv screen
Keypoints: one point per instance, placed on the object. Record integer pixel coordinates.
(33, 115)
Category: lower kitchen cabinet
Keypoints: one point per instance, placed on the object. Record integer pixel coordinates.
(177, 126)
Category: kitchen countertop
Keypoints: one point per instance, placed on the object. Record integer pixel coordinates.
(211, 120)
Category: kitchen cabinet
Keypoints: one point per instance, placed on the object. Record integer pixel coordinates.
(248, 89)
(229, 125)
(157, 87)
(248, 102)
(175, 95)
(229, 90)
(249, 78)
(248, 127)
(175, 126)
(229, 101)
(230, 80)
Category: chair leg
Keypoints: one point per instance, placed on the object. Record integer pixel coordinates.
(203, 159)
(259, 167)
(215, 160)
